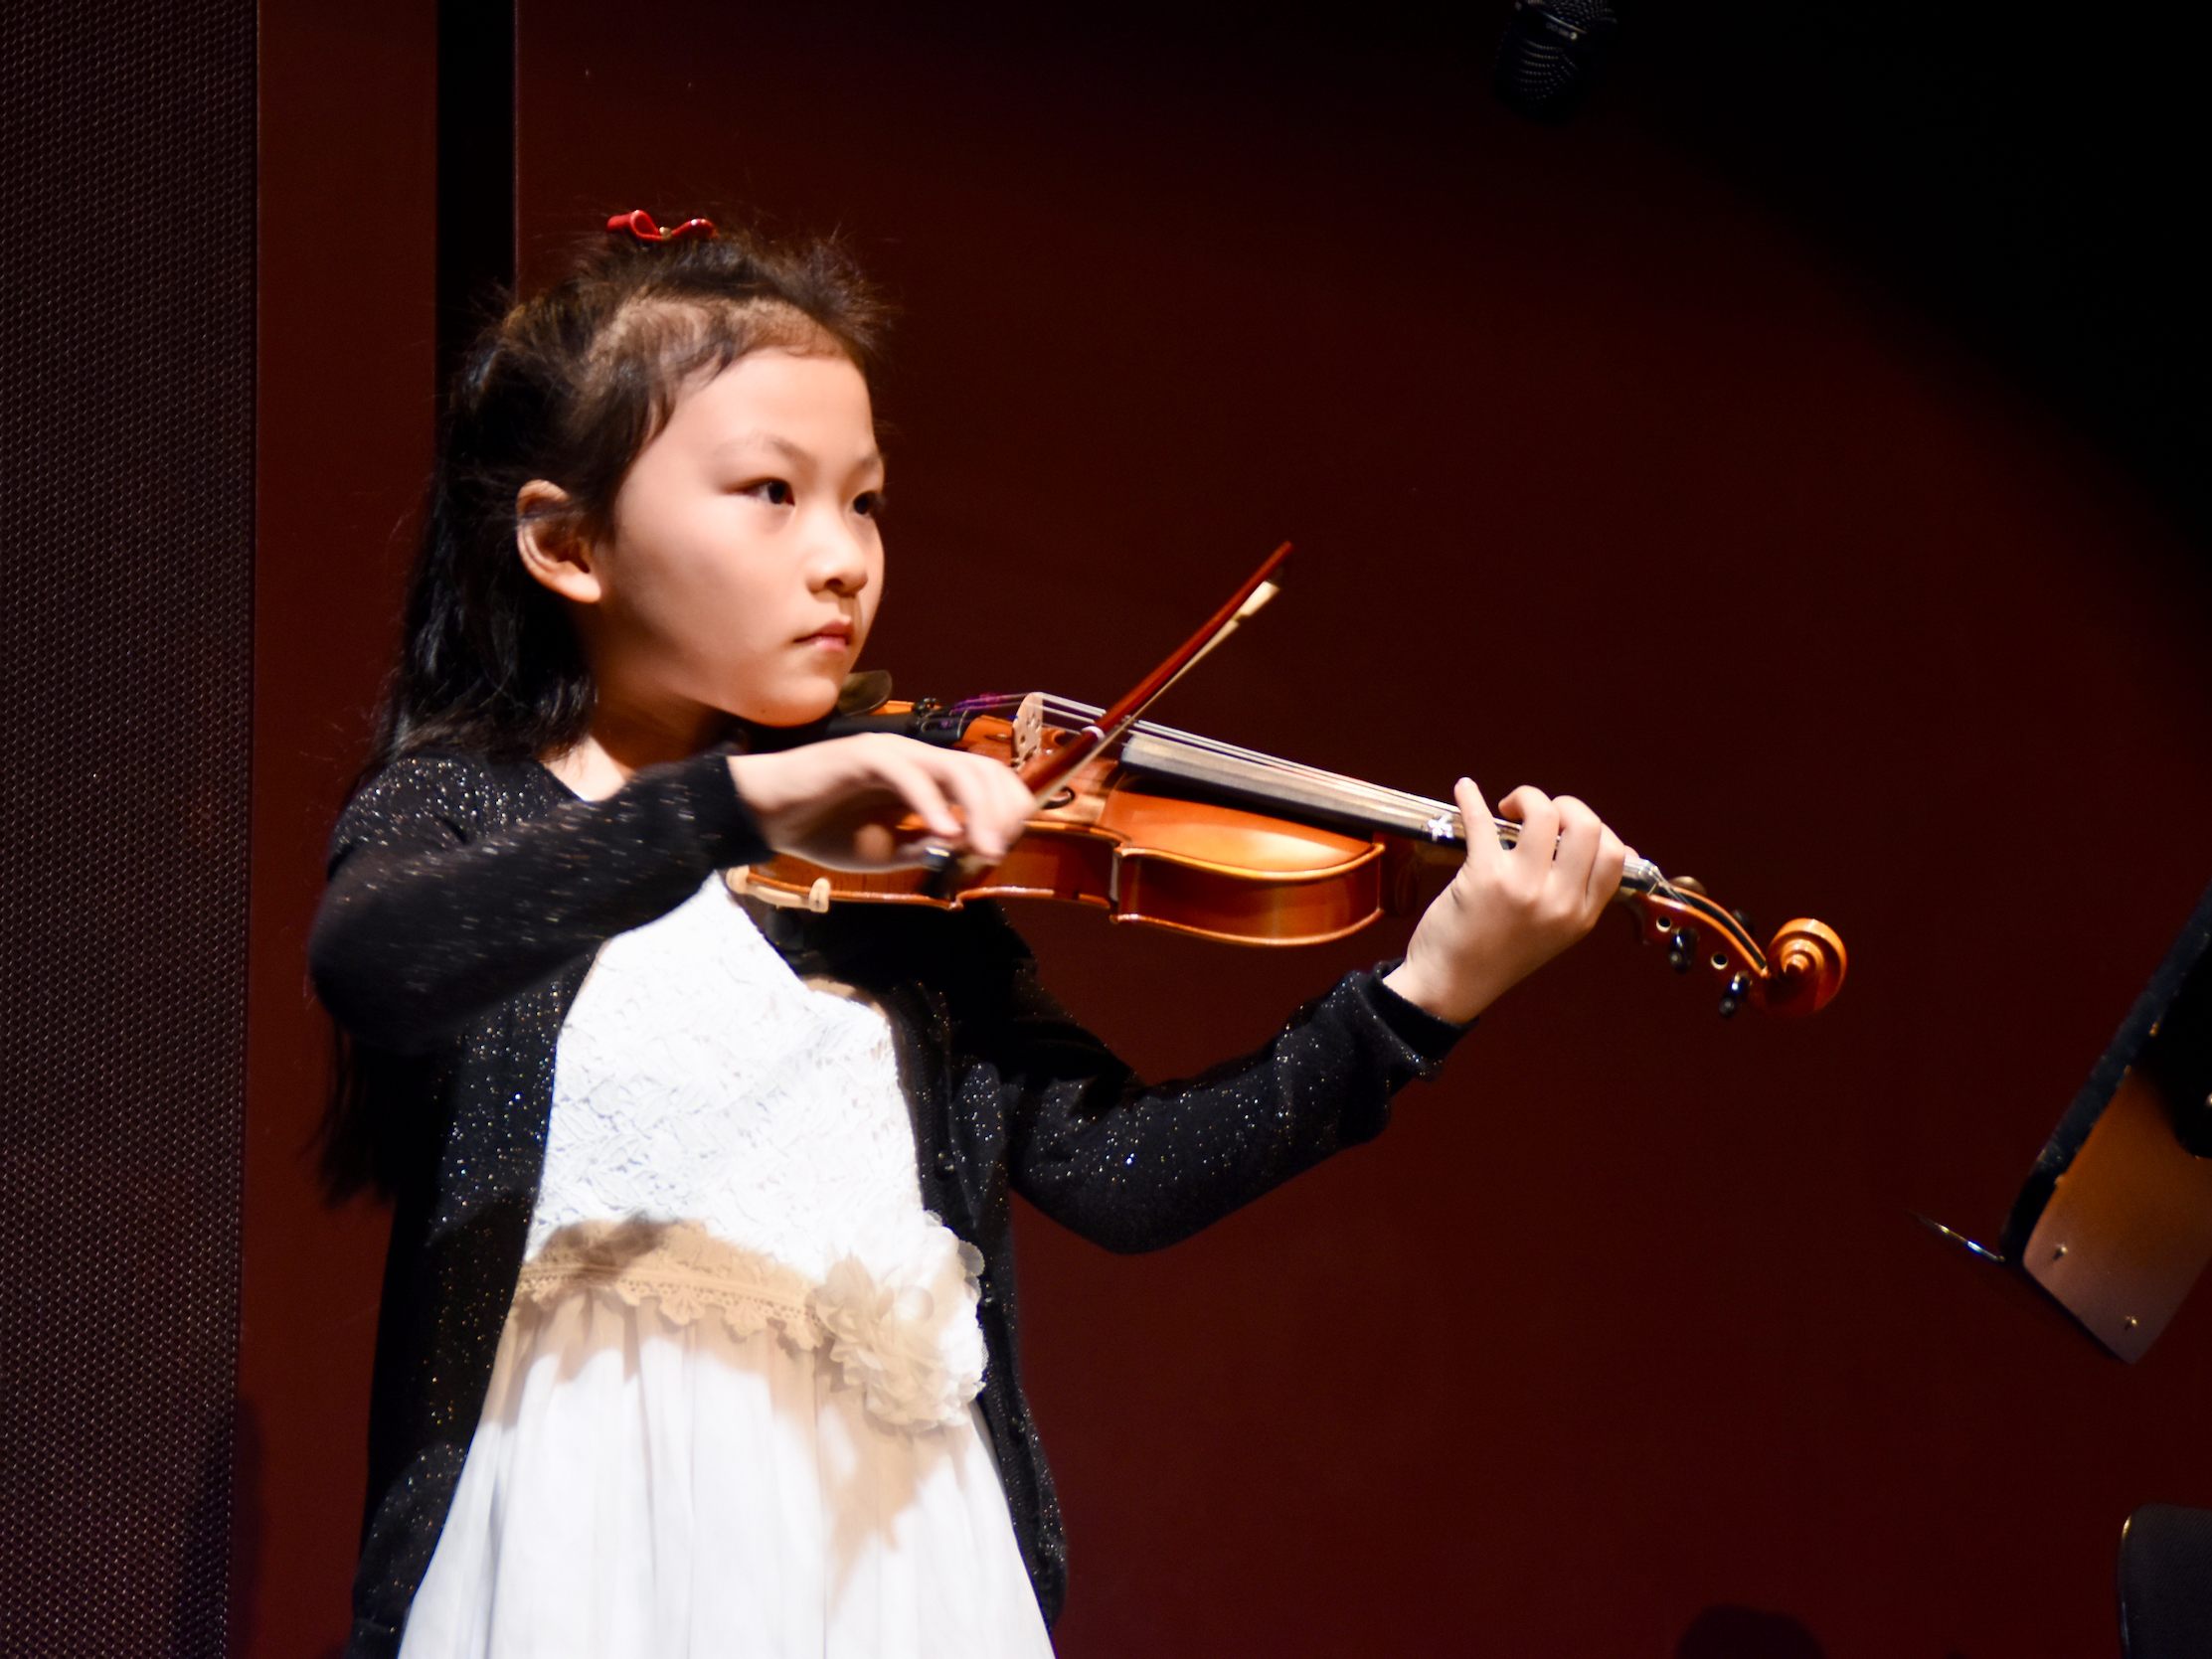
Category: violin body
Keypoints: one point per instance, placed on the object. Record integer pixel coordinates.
(1111, 839)
(1161, 829)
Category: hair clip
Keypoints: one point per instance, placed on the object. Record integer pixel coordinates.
(640, 224)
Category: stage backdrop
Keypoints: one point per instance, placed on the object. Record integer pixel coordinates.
(347, 188)
(1605, 475)
(126, 639)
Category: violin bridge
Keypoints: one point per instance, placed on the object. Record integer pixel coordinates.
(1029, 729)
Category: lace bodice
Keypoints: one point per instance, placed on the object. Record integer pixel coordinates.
(728, 1139)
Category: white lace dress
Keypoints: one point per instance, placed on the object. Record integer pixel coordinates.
(733, 1410)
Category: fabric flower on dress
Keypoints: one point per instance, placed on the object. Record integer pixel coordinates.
(909, 1342)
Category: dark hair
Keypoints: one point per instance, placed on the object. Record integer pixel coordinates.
(569, 387)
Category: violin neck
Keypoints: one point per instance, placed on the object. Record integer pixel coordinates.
(1321, 797)
(1227, 772)
(1224, 771)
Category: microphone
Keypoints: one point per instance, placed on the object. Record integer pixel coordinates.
(1548, 53)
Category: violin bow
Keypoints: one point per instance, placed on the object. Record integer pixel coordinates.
(1043, 771)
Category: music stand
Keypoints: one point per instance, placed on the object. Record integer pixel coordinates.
(2115, 1223)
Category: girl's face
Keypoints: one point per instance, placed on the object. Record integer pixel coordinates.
(745, 564)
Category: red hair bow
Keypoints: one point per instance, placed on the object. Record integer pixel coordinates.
(640, 224)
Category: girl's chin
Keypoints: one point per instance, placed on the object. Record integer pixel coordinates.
(795, 707)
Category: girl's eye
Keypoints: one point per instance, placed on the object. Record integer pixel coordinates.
(869, 504)
(774, 491)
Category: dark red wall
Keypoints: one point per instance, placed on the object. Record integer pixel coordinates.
(1603, 478)
(344, 408)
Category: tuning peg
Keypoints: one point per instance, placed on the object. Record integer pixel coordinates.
(1681, 950)
(1734, 994)
(1744, 921)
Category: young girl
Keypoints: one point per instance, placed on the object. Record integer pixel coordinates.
(698, 1331)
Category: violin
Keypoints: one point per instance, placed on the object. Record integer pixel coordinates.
(1163, 828)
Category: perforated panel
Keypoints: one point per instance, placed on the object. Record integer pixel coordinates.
(126, 142)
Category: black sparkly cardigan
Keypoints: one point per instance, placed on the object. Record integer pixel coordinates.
(466, 899)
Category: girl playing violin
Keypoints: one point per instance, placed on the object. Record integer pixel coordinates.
(699, 1330)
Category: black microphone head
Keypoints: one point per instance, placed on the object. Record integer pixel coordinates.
(1548, 52)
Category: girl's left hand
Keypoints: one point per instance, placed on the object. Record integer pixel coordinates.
(1509, 912)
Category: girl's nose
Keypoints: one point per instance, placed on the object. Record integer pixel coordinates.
(838, 560)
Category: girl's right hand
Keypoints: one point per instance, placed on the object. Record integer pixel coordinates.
(840, 804)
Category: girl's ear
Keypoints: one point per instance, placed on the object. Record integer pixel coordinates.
(553, 549)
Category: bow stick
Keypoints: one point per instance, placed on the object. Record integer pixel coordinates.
(1042, 772)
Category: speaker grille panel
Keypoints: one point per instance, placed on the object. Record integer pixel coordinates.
(126, 435)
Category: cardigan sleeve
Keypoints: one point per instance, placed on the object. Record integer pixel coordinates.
(1136, 1166)
(437, 910)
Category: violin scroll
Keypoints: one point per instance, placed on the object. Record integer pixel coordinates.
(1798, 972)
(1810, 961)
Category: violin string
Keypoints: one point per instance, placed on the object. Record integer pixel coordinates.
(1402, 811)
(1390, 809)
(1213, 745)
(1393, 809)
(1356, 799)
(1396, 810)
